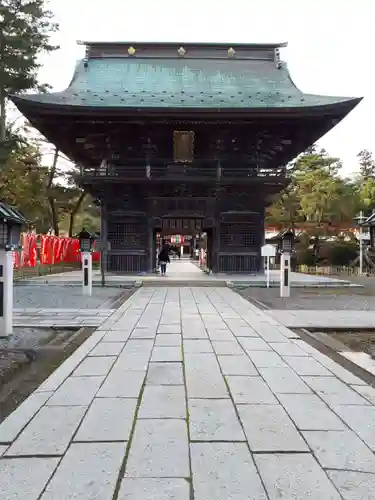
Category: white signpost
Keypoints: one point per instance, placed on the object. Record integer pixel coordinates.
(285, 275)
(6, 293)
(86, 241)
(87, 273)
(268, 251)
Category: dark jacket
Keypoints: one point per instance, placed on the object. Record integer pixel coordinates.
(163, 255)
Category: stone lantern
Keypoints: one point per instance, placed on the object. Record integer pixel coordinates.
(11, 223)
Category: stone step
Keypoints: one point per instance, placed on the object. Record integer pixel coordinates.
(165, 282)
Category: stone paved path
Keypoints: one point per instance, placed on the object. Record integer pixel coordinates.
(45, 318)
(192, 394)
(298, 318)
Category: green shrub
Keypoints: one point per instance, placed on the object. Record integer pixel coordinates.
(305, 257)
(342, 253)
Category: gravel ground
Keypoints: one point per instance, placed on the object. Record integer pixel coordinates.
(20, 377)
(29, 337)
(61, 297)
(359, 299)
(23, 338)
(311, 299)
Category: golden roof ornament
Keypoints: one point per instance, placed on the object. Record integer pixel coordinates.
(181, 51)
(131, 51)
(231, 52)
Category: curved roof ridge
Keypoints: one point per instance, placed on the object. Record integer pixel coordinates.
(284, 67)
(77, 65)
(106, 43)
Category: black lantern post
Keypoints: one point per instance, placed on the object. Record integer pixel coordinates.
(287, 242)
(11, 223)
(86, 241)
(86, 245)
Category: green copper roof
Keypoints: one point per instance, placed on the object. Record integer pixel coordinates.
(178, 82)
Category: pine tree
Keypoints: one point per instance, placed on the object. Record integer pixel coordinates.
(25, 29)
(366, 165)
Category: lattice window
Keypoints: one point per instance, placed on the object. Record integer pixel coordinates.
(125, 235)
(183, 146)
(240, 235)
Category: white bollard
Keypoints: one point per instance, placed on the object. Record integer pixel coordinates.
(285, 275)
(6, 293)
(87, 273)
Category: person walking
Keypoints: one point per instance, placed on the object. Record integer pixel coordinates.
(164, 259)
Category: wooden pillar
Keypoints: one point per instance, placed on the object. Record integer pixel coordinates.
(220, 145)
(216, 247)
(104, 240)
(209, 248)
(150, 246)
(263, 237)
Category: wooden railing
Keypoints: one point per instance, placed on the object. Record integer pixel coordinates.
(203, 170)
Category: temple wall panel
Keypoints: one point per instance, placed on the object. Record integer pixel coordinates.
(241, 237)
(128, 242)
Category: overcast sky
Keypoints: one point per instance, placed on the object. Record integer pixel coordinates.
(331, 45)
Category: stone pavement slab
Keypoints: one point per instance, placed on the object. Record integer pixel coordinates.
(47, 318)
(192, 393)
(154, 488)
(17, 420)
(49, 433)
(341, 450)
(108, 419)
(23, 478)
(353, 485)
(214, 420)
(159, 449)
(310, 413)
(165, 374)
(295, 476)
(88, 470)
(224, 470)
(340, 319)
(269, 428)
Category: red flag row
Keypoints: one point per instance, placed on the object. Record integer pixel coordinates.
(48, 250)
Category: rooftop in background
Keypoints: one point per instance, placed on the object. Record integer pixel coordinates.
(8, 213)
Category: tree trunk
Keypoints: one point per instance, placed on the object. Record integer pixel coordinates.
(54, 216)
(53, 168)
(74, 213)
(51, 199)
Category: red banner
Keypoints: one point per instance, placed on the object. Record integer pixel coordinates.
(52, 250)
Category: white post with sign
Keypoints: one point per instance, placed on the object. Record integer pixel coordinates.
(268, 251)
(6, 293)
(285, 275)
(87, 273)
(361, 220)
